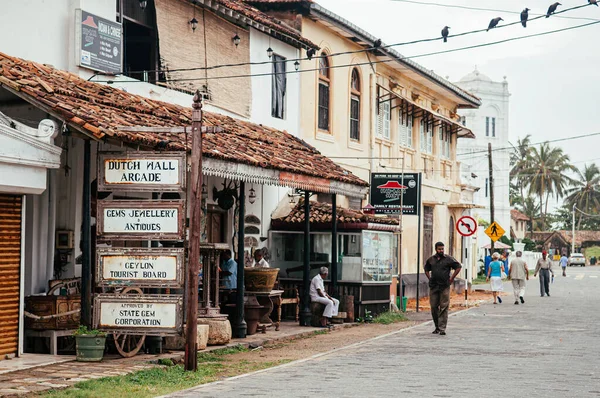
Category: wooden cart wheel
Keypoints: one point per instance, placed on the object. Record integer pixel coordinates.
(129, 345)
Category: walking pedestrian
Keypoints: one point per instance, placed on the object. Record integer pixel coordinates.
(437, 270)
(544, 267)
(518, 273)
(563, 264)
(495, 277)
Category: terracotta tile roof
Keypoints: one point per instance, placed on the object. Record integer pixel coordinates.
(322, 213)
(267, 20)
(580, 236)
(518, 216)
(99, 110)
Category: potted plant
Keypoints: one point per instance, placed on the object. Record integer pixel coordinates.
(89, 344)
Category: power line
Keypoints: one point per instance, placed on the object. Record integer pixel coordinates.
(256, 63)
(533, 144)
(364, 63)
(486, 9)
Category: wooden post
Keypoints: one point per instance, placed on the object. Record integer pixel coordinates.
(240, 328)
(334, 238)
(86, 238)
(195, 203)
(305, 313)
(491, 188)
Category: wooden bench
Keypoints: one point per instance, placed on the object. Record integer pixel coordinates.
(293, 299)
(53, 335)
(317, 319)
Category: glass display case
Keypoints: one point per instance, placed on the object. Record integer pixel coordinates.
(363, 256)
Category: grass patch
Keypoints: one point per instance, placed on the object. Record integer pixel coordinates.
(387, 318)
(480, 280)
(212, 366)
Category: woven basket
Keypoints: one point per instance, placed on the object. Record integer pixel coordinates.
(260, 280)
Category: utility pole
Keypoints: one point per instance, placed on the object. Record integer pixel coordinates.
(573, 230)
(191, 346)
(491, 189)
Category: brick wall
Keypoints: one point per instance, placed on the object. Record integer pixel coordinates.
(180, 47)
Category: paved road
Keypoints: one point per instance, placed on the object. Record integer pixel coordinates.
(547, 347)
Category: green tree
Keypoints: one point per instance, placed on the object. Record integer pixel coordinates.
(520, 162)
(584, 192)
(531, 208)
(547, 175)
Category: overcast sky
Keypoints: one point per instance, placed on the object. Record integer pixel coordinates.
(553, 79)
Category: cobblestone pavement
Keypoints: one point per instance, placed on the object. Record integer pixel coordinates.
(546, 347)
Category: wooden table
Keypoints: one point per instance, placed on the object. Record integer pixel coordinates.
(53, 335)
(269, 301)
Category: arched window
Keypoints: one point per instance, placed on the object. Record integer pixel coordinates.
(323, 92)
(355, 105)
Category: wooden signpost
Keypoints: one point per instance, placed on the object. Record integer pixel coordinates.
(122, 272)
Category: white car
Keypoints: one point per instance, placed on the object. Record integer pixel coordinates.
(576, 259)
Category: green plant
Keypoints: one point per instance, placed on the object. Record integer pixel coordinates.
(83, 330)
(368, 316)
(388, 317)
(166, 362)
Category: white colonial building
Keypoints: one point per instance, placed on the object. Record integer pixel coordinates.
(490, 125)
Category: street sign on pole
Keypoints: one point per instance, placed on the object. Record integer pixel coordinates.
(494, 231)
(466, 226)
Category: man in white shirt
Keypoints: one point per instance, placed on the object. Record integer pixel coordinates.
(259, 261)
(319, 295)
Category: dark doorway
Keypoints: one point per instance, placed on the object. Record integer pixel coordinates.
(139, 52)
(216, 226)
(427, 231)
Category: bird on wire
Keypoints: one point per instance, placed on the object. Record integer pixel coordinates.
(594, 2)
(377, 43)
(552, 8)
(524, 17)
(310, 53)
(445, 33)
(494, 23)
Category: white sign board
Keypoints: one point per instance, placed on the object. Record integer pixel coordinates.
(141, 267)
(141, 171)
(138, 315)
(160, 314)
(140, 219)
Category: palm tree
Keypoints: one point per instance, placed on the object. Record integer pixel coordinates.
(547, 175)
(520, 160)
(585, 191)
(531, 209)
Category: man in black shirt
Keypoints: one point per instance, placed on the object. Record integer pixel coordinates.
(437, 270)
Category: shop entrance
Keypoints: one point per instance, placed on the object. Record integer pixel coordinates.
(10, 265)
(427, 232)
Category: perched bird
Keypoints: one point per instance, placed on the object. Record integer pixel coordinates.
(524, 17)
(594, 2)
(377, 43)
(494, 23)
(310, 53)
(445, 33)
(552, 8)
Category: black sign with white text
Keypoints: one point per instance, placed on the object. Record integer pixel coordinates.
(101, 43)
(390, 190)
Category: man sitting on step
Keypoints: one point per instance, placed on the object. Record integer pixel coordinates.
(319, 295)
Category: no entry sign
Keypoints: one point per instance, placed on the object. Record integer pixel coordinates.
(466, 226)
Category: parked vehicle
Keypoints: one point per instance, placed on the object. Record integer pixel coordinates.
(576, 259)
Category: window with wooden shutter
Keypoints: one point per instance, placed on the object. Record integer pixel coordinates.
(323, 111)
(355, 106)
(10, 268)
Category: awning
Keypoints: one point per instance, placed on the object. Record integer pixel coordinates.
(239, 150)
(412, 108)
(497, 245)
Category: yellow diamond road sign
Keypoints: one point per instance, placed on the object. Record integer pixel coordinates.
(494, 231)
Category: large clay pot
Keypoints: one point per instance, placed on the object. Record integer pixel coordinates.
(260, 280)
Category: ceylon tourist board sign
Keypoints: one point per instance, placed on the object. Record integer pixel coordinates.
(147, 267)
(142, 171)
(392, 191)
(141, 220)
(157, 314)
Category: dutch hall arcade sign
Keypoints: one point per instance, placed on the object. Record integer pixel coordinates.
(140, 220)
